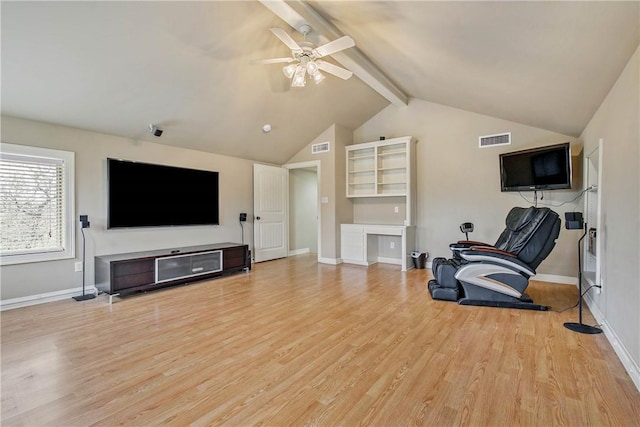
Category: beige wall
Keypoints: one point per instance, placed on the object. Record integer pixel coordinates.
(91, 151)
(617, 122)
(337, 208)
(459, 182)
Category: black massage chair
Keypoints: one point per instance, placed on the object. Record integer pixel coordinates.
(497, 275)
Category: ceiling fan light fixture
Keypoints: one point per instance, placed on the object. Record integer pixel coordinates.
(298, 77)
(305, 58)
(289, 70)
(312, 68)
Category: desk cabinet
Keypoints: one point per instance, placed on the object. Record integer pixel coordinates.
(359, 244)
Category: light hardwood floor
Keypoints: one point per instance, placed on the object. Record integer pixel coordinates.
(296, 343)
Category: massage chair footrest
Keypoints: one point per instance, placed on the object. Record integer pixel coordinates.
(441, 293)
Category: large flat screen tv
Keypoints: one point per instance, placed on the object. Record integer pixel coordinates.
(542, 168)
(148, 195)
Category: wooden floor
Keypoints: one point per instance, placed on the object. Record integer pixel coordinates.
(299, 343)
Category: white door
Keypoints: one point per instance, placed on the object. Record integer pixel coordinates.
(270, 202)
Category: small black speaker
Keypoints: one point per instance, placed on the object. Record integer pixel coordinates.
(84, 221)
(573, 221)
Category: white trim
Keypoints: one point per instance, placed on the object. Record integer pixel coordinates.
(385, 260)
(310, 164)
(565, 280)
(68, 208)
(299, 251)
(624, 355)
(12, 303)
(332, 261)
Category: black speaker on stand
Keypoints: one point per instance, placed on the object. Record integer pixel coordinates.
(574, 221)
(84, 223)
(247, 261)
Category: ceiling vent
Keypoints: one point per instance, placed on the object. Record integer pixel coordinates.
(322, 147)
(494, 140)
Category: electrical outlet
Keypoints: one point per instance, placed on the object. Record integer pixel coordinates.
(78, 266)
(396, 209)
(393, 245)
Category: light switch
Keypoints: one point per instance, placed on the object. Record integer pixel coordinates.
(396, 209)
(324, 199)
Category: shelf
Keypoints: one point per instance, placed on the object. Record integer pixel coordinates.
(392, 153)
(383, 168)
(362, 156)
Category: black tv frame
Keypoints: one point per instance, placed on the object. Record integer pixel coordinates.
(565, 184)
(155, 195)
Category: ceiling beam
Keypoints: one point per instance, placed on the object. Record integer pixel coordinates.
(297, 12)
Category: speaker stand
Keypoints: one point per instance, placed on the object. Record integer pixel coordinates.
(84, 296)
(581, 327)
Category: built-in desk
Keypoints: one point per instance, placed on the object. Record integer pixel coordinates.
(359, 244)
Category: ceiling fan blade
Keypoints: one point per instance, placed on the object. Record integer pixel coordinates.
(286, 39)
(334, 69)
(274, 60)
(337, 45)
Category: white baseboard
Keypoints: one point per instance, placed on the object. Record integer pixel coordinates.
(629, 364)
(332, 261)
(566, 280)
(299, 251)
(385, 260)
(43, 298)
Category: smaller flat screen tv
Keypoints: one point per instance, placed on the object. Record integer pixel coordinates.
(149, 195)
(536, 169)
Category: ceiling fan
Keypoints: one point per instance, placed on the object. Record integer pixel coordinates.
(305, 58)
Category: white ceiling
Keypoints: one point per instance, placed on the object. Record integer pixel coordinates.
(115, 67)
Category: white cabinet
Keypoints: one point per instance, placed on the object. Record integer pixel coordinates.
(352, 243)
(359, 243)
(383, 169)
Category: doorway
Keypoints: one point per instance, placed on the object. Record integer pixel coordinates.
(304, 208)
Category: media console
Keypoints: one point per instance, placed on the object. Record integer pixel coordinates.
(122, 274)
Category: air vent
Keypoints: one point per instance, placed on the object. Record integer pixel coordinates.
(493, 140)
(322, 147)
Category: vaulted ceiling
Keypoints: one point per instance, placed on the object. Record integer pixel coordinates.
(116, 67)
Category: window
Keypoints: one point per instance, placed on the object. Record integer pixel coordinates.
(36, 204)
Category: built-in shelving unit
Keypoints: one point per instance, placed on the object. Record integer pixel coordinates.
(381, 178)
(383, 169)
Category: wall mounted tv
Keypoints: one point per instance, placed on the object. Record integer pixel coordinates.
(536, 169)
(148, 195)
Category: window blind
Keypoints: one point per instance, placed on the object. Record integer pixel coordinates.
(31, 204)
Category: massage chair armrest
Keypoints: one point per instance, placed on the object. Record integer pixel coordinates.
(496, 256)
(470, 243)
(463, 245)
